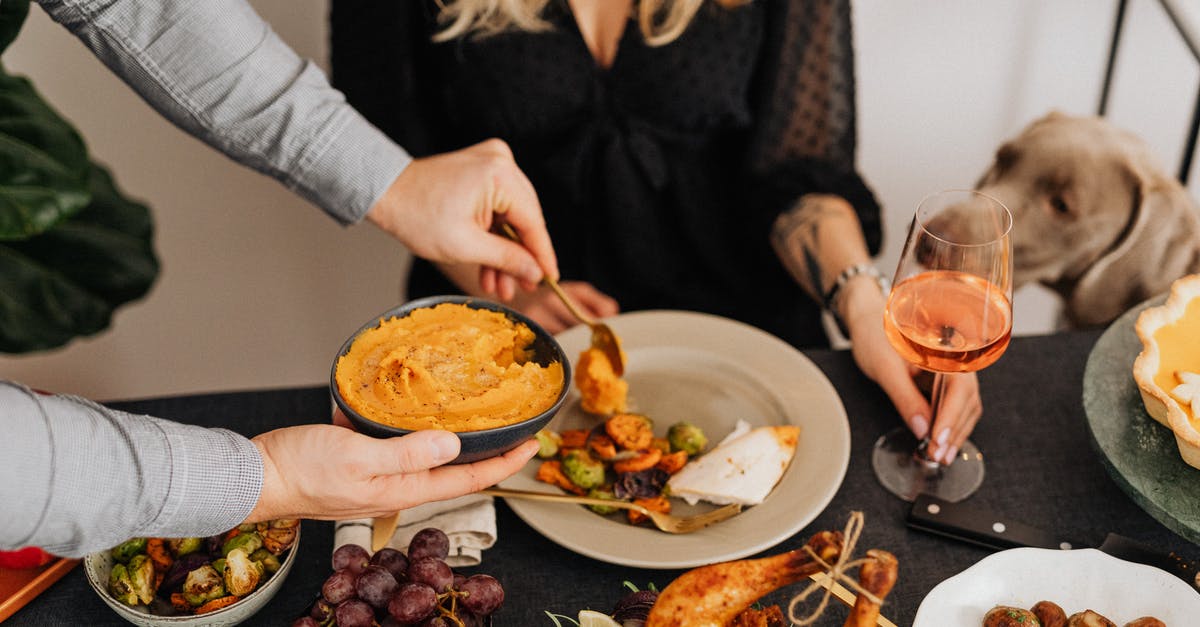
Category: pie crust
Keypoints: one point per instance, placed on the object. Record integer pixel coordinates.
(1149, 367)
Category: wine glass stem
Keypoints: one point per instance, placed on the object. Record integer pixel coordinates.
(935, 404)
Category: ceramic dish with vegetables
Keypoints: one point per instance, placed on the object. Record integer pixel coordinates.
(216, 581)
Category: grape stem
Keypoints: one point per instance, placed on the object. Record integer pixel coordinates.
(451, 613)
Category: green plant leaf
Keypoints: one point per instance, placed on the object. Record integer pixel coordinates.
(67, 281)
(44, 166)
(12, 16)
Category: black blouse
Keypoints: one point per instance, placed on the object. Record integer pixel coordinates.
(659, 177)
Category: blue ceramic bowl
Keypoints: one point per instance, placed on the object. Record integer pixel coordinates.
(476, 445)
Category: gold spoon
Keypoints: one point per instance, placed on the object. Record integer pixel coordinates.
(603, 337)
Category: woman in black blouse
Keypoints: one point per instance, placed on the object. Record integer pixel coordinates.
(688, 154)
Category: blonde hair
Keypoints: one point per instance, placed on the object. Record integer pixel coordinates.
(661, 21)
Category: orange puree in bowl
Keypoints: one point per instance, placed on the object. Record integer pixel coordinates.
(447, 367)
(1179, 349)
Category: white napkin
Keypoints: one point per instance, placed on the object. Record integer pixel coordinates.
(468, 521)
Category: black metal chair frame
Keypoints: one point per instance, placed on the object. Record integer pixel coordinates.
(1185, 164)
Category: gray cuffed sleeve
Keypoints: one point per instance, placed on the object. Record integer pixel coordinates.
(77, 477)
(218, 71)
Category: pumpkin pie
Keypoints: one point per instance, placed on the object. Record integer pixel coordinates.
(1167, 370)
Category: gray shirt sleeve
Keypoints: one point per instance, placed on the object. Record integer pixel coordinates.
(78, 477)
(218, 71)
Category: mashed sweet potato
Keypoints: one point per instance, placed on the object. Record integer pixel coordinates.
(448, 367)
(601, 391)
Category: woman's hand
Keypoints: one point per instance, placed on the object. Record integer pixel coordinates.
(444, 207)
(544, 307)
(329, 472)
(961, 405)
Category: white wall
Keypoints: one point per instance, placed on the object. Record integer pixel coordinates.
(259, 289)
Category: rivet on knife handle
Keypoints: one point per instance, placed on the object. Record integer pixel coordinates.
(970, 523)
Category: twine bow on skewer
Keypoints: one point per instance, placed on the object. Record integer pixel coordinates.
(835, 572)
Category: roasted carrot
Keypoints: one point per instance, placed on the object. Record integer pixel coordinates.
(156, 549)
(180, 603)
(673, 462)
(645, 459)
(573, 438)
(217, 604)
(656, 504)
(630, 431)
(603, 447)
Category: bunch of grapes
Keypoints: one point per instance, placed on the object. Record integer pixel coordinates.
(391, 588)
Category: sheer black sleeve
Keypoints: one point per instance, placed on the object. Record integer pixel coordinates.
(379, 53)
(804, 134)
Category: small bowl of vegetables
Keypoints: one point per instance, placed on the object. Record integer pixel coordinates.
(216, 581)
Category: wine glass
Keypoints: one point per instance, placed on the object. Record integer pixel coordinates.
(949, 312)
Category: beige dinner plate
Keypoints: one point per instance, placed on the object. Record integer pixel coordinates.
(710, 371)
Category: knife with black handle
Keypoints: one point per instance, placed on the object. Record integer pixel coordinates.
(971, 523)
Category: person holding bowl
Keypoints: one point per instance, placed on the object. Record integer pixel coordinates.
(80, 477)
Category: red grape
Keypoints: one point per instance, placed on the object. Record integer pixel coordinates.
(412, 602)
(350, 556)
(375, 585)
(339, 586)
(354, 613)
(430, 541)
(392, 560)
(432, 572)
(305, 621)
(483, 594)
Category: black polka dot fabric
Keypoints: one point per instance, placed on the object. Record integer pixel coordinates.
(659, 176)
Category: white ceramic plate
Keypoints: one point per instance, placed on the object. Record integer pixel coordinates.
(1076, 580)
(710, 371)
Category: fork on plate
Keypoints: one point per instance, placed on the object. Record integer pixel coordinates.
(666, 522)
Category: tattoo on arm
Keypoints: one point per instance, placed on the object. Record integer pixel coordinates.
(795, 237)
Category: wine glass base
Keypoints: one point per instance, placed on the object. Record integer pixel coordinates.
(906, 475)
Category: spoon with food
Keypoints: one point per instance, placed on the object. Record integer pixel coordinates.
(603, 337)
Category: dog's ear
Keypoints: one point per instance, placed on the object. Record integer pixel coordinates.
(1006, 158)
(1160, 243)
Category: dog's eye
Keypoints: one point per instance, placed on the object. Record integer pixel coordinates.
(1059, 205)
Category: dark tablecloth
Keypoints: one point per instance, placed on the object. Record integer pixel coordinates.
(1041, 469)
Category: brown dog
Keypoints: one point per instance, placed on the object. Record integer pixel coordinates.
(1095, 217)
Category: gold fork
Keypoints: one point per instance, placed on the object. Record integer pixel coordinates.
(603, 337)
(665, 522)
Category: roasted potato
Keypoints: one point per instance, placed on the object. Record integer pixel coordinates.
(1005, 616)
(1089, 618)
(1049, 614)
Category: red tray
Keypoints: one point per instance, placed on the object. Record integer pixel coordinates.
(19, 586)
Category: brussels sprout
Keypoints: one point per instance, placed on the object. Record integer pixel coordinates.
(685, 436)
(248, 541)
(582, 470)
(268, 559)
(241, 574)
(202, 585)
(600, 493)
(125, 551)
(548, 443)
(142, 577)
(219, 566)
(182, 546)
(120, 586)
(133, 583)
